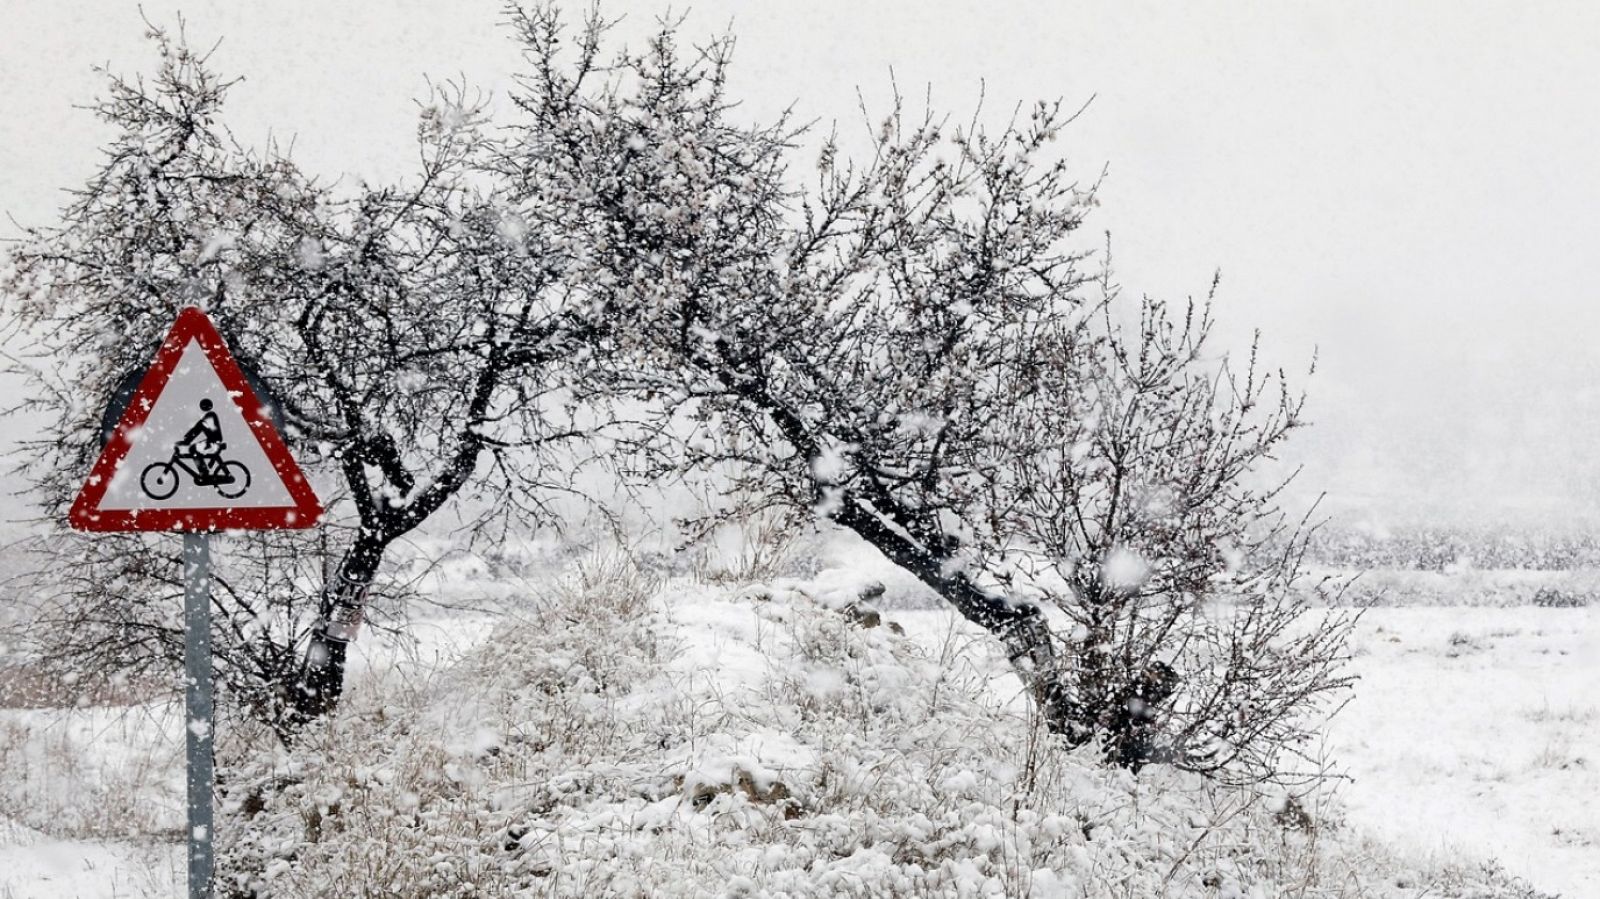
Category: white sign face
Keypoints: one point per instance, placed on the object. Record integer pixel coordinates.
(194, 450)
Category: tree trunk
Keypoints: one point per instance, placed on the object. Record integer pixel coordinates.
(344, 600)
(1025, 634)
(1020, 627)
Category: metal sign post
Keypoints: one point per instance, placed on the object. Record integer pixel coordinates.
(198, 724)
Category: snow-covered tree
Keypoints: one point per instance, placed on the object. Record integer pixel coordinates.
(419, 338)
(917, 347)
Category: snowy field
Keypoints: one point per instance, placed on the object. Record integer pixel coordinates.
(1474, 734)
(1478, 731)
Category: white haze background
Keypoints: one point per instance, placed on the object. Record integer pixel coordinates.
(1409, 189)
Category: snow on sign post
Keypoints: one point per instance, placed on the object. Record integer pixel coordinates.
(195, 452)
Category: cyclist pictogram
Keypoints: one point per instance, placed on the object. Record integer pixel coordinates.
(199, 455)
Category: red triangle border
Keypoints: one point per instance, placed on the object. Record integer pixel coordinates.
(192, 324)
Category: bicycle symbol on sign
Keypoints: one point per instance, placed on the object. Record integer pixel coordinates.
(199, 455)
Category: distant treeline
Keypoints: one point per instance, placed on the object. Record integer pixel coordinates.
(1442, 547)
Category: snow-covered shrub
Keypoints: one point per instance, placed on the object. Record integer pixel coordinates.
(1443, 546)
(103, 772)
(696, 740)
(1550, 598)
(750, 548)
(1472, 587)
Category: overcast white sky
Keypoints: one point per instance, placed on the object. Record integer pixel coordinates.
(1412, 188)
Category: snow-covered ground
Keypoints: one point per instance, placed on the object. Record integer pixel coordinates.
(91, 802)
(1478, 730)
(34, 864)
(1474, 733)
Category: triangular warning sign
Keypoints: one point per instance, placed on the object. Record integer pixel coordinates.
(195, 450)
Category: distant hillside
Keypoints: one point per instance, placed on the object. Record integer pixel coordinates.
(1443, 547)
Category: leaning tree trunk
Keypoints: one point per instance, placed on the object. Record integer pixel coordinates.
(343, 606)
(1020, 626)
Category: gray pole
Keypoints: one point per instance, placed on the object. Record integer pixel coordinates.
(197, 707)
